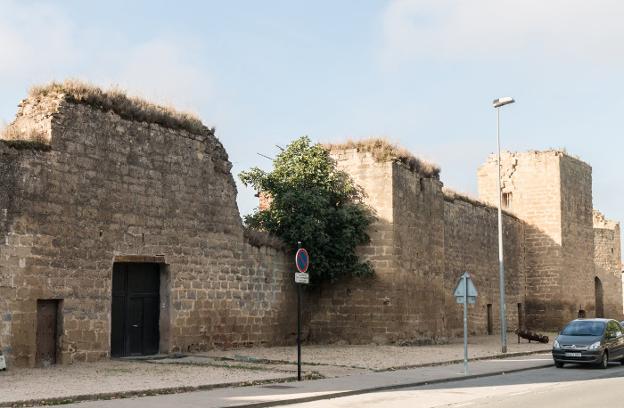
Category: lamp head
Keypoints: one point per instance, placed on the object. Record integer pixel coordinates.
(505, 100)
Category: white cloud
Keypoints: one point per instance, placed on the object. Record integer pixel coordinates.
(34, 38)
(453, 30)
(40, 43)
(161, 70)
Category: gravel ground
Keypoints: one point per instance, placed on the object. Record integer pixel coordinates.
(241, 365)
(327, 371)
(117, 376)
(385, 357)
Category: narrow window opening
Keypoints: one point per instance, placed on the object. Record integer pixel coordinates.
(507, 199)
(490, 321)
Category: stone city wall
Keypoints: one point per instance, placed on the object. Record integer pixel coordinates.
(551, 192)
(577, 230)
(471, 245)
(608, 265)
(363, 309)
(420, 244)
(110, 188)
(91, 187)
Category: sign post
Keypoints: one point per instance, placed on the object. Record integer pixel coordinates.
(465, 292)
(302, 261)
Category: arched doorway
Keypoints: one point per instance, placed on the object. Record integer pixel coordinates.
(598, 292)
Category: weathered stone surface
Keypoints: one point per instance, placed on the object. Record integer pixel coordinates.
(111, 187)
(552, 193)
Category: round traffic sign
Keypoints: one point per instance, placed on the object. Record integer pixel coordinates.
(302, 260)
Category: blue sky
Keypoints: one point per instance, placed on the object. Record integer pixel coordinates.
(422, 73)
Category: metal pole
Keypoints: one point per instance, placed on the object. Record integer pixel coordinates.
(465, 324)
(501, 270)
(298, 327)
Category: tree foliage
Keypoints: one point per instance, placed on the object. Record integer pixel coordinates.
(313, 202)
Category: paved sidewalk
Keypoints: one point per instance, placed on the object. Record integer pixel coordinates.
(379, 358)
(289, 393)
(241, 367)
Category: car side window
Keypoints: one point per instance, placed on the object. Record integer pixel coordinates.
(613, 330)
(618, 329)
(609, 332)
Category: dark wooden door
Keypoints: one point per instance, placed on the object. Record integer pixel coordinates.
(135, 312)
(47, 321)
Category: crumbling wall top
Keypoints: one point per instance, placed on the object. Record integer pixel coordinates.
(600, 221)
(44, 101)
(452, 196)
(534, 154)
(383, 151)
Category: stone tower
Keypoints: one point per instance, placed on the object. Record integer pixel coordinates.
(552, 192)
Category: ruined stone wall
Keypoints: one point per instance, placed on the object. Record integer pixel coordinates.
(577, 231)
(111, 187)
(361, 309)
(471, 245)
(552, 192)
(418, 222)
(403, 302)
(12, 166)
(534, 181)
(608, 266)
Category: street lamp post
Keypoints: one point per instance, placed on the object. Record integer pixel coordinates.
(498, 103)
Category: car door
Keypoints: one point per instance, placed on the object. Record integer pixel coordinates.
(613, 337)
(620, 338)
(609, 342)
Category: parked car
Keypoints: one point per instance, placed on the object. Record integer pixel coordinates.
(589, 341)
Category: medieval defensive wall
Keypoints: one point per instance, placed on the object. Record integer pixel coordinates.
(116, 213)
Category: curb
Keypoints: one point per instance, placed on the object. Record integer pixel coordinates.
(460, 361)
(384, 388)
(185, 389)
(71, 399)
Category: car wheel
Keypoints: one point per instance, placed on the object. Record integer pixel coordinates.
(559, 364)
(604, 363)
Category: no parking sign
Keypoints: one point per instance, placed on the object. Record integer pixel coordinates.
(302, 261)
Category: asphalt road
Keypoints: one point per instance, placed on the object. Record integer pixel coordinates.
(570, 387)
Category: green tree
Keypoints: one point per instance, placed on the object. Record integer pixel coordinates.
(313, 202)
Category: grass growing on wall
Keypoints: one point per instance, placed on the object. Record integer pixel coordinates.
(383, 150)
(117, 101)
(23, 140)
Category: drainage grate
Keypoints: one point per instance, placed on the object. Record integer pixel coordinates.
(278, 387)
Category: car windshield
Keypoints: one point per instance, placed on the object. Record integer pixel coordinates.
(584, 328)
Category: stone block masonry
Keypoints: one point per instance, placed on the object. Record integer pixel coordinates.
(470, 245)
(552, 193)
(608, 264)
(110, 190)
(94, 195)
(559, 262)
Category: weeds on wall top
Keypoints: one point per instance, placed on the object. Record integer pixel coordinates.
(117, 101)
(20, 139)
(382, 150)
